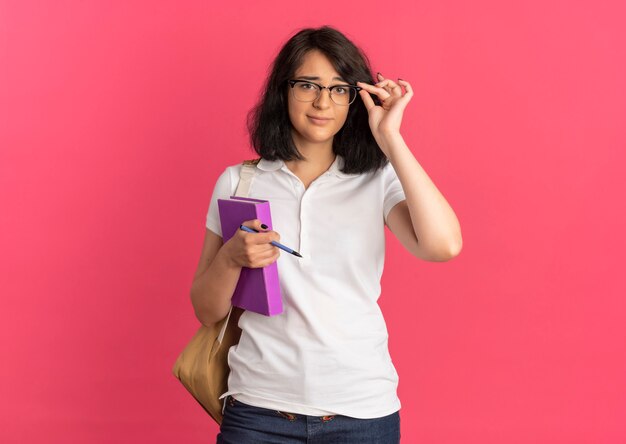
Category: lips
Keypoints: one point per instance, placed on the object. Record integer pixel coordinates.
(319, 120)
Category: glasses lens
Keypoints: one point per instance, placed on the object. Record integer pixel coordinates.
(304, 91)
(343, 95)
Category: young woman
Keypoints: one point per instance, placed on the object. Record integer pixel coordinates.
(336, 170)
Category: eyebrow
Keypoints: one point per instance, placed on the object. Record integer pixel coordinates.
(318, 78)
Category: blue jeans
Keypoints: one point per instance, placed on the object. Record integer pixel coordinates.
(247, 424)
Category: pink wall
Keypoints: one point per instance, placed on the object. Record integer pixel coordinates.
(117, 117)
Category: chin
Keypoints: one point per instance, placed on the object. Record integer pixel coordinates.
(316, 134)
(317, 138)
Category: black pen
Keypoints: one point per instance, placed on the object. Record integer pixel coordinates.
(276, 244)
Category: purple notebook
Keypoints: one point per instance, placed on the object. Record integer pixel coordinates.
(258, 289)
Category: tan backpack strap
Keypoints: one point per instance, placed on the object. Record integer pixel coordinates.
(223, 330)
(248, 169)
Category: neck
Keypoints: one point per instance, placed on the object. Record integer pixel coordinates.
(315, 154)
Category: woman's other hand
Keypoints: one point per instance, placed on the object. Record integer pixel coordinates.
(385, 119)
(253, 250)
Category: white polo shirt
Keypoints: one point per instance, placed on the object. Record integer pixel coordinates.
(327, 352)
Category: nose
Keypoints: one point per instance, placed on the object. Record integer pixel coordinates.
(323, 100)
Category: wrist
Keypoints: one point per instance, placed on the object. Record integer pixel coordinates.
(390, 137)
(224, 255)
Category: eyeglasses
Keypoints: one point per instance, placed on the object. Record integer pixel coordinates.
(305, 91)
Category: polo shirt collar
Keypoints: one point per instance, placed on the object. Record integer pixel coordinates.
(335, 168)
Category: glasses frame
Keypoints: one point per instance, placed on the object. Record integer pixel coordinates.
(292, 83)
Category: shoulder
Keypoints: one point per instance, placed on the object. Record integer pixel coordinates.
(387, 169)
(382, 175)
(388, 172)
(251, 161)
(229, 177)
(235, 168)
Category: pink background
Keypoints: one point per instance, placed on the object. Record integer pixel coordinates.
(116, 118)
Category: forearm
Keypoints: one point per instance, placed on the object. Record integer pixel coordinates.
(434, 221)
(211, 292)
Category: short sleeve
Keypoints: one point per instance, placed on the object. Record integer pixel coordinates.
(393, 191)
(223, 190)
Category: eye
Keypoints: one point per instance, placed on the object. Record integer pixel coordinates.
(341, 90)
(304, 85)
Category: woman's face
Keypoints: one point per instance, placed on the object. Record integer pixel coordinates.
(317, 68)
